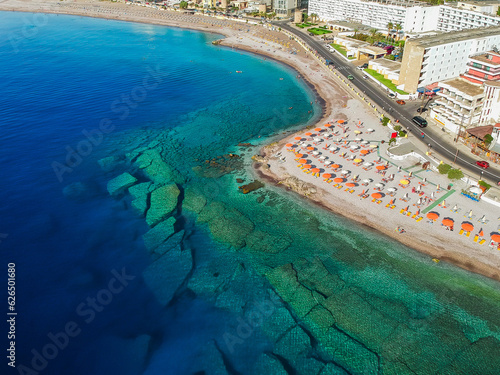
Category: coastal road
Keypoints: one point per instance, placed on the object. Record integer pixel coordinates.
(432, 137)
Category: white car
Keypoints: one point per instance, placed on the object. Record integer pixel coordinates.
(365, 77)
(391, 95)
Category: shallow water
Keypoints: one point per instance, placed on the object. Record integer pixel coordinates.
(173, 88)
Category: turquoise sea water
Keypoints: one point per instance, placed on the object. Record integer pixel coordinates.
(77, 90)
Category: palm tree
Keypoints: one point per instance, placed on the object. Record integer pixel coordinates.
(398, 28)
(355, 31)
(390, 26)
(314, 16)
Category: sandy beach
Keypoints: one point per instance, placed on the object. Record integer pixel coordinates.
(278, 162)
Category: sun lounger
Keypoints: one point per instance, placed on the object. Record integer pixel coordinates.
(475, 238)
(340, 186)
(482, 241)
(379, 201)
(402, 211)
(387, 205)
(419, 218)
(392, 207)
(461, 232)
(468, 234)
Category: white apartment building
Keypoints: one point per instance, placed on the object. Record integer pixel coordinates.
(490, 113)
(284, 8)
(459, 104)
(413, 16)
(443, 56)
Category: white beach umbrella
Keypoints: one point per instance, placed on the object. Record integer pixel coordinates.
(364, 142)
(317, 139)
(345, 171)
(368, 164)
(370, 130)
(358, 139)
(406, 195)
(455, 207)
(315, 152)
(332, 148)
(367, 180)
(322, 157)
(328, 162)
(354, 147)
(379, 184)
(391, 189)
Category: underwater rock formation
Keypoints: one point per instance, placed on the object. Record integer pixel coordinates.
(159, 234)
(119, 184)
(163, 203)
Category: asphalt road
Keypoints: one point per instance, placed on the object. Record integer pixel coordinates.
(378, 96)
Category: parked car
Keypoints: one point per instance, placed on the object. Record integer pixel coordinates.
(360, 67)
(391, 95)
(350, 77)
(402, 102)
(483, 164)
(419, 121)
(421, 110)
(364, 66)
(432, 105)
(365, 76)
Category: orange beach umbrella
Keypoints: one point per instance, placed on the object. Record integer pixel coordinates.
(302, 161)
(468, 227)
(381, 167)
(338, 179)
(335, 166)
(298, 138)
(299, 155)
(289, 144)
(328, 125)
(432, 215)
(495, 237)
(448, 222)
(317, 129)
(308, 134)
(307, 166)
(364, 152)
(315, 170)
(327, 175)
(376, 195)
(340, 121)
(351, 184)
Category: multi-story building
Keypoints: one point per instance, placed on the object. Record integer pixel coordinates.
(460, 103)
(413, 16)
(490, 113)
(443, 56)
(485, 7)
(284, 8)
(483, 67)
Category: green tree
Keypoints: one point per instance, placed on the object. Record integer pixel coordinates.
(305, 17)
(183, 5)
(488, 139)
(398, 28)
(385, 121)
(355, 32)
(455, 174)
(444, 168)
(390, 26)
(314, 16)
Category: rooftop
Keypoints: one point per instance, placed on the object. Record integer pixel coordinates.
(481, 131)
(493, 83)
(463, 86)
(483, 58)
(401, 3)
(389, 64)
(454, 36)
(372, 50)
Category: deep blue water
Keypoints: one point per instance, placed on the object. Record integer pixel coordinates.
(62, 78)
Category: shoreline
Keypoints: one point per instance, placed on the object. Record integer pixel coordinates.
(322, 95)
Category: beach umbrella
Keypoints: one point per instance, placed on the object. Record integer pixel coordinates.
(302, 161)
(340, 121)
(379, 184)
(443, 204)
(370, 130)
(328, 125)
(327, 175)
(391, 189)
(357, 132)
(364, 152)
(310, 148)
(308, 134)
(299, 155)
(335, 166)
(495, 237)
(368, 164)
(322, 157)
(358, 160)
(373, 146)
(351, 184)
(455, 207)
(317, 139)
(354, 147)
(392, 201)
(345, 172)
(332, 148)
(328, 162)
(418, 212)
(364, 142)
(367, 180)
(468, 227)
(315, 152)
(315, 170)
(376, 195)
(298, 138)
(289, 145)
(406, 208)
(381, 167)
(339, 179)
(405, 196)
(419, 187)
(433, 195)
(419, 202)
(437, 187)
(307, 166)
(358, 139)
(404, 182)
(447, 222)
(481, 233)
(317, 129)
(432, 216)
